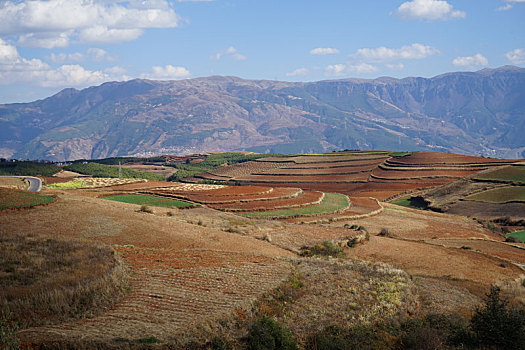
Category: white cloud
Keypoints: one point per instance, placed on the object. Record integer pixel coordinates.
(477, 60)
(231, 52)
(398, 66)
(428, 9)
(337, 70)
(92, 54)
(167, 72)
(15, 69)
(516, 56)
(414, 51)
(505, 7)
(298, 72)
(324, 51)
(57, 23)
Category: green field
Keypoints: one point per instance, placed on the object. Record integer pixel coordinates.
(28, 168)
(331, 203)
(514, 173)
(19, 199)
(411, 202)
(519, 235)
(102, 170)
(500, 195)
(144, 199)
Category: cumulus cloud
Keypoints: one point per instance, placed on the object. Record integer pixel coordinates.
(298, 72)
(91, 54)
(337, 70)
(231, 53)
(414, 51)
(397, 66)
(516, 56)
(56, 23)
(167, 72)
(478, 60)
(324, 51)
(428, 9)
(16, 69)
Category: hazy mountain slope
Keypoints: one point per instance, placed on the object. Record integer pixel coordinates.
(478, 113)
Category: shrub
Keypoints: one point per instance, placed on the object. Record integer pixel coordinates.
(359, 337)
(325, 248)
(145, 209)
(267, 334)
(385, 233)
(8, 338)
(497, 326)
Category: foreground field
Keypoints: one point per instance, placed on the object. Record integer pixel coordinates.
(12, 198)
(204, 272)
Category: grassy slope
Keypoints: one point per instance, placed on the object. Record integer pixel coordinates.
(519, 235)
(511, 173)
(101, 170)
(10, 198)
(500, 195)
(28, 169)
(148, 200)
(331, 203)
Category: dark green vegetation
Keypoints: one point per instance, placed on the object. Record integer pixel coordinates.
(325, 248)
(48, 280)
(214, 161)
(412, 202)
(101, 170)
(144, 200)
(514, 173)
(500, 195)
(332, 202)
(121, 118)
(10, 198)
(493, 326)
(27, 168)
(267, 334)
(520, 235)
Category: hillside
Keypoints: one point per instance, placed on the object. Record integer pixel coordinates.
(479, 113)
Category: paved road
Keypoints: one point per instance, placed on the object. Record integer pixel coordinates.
(35, 184)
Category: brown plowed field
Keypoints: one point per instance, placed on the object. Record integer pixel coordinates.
(330, 165)
(141, 185)
(230, 191)
(307, 198)
(360, 177)
(429, 173)
(173, 291)
(246, 168)
(430, 158)
(418, 258)
(317, 171)
(513, 252)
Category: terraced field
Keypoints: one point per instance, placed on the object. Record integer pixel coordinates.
(141, 199)
(500, 195)
(514, 173)
(380, 174)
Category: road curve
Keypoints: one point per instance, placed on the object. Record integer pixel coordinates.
(35, 184)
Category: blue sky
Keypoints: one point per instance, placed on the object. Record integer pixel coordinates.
(47, 45)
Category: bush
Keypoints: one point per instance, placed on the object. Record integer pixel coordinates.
(497, 326)
(325, 248)
(267, 334)
(145, 209)
(360, 337)
(385, 233)
(8, 338)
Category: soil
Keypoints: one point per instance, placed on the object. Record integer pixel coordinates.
(488, 211)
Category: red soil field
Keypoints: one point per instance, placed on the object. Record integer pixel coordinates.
(238, 191)
(360, 177)
(396, 174)
(141, 185)
(307, 198)
(318, 171)
(329, 165)
(277, 193)
(429, 158)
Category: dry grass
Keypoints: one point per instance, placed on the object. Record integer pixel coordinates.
(46, 280)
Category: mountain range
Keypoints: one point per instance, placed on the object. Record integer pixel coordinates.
(478, 113)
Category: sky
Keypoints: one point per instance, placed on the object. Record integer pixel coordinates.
(49, 45)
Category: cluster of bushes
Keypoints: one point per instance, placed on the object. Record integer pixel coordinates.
(214, 161)
(493, 326)
(101, 170)
(28, 168)
(325, 248)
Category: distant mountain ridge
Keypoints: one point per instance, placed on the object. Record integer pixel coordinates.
(478, 113)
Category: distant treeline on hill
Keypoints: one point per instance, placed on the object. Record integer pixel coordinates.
(28, 168)
(102, 170)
